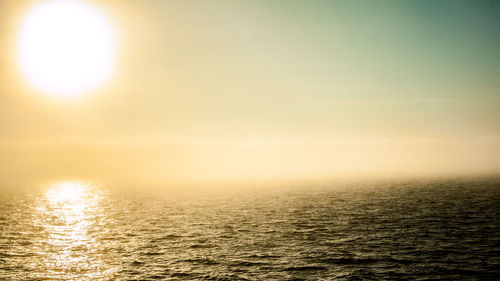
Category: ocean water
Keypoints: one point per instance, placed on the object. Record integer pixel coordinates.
(446, 229)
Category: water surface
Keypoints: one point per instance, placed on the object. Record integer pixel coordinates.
(410, 230)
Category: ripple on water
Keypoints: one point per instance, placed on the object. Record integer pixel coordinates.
(412, 230)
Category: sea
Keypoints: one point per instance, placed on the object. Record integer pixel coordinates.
(440, 229)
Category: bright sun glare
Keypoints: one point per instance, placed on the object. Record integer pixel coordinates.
(65, 47)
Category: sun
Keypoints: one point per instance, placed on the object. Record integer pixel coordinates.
(66, 47)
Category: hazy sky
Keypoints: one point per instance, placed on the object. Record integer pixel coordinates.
(266, 90)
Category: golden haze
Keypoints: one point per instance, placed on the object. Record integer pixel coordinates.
(231, 92)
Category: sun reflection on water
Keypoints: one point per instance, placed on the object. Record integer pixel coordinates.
(70, 217)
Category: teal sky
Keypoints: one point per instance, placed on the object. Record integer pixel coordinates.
(409, 67)
(271, 90)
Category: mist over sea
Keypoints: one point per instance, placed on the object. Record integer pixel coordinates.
(435, 229)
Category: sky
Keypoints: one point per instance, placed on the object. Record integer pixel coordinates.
(241, 91)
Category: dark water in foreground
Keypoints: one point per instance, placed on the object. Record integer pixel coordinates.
(417, 230)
